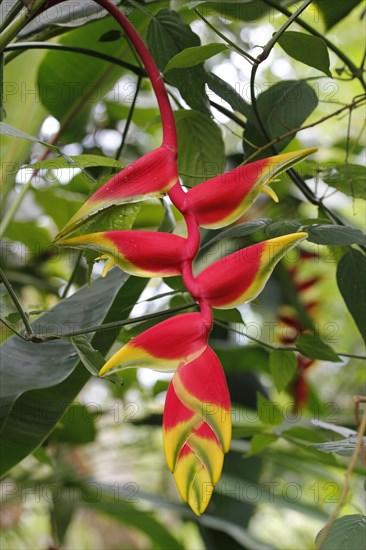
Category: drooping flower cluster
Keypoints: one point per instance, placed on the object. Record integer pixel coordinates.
(197, 419)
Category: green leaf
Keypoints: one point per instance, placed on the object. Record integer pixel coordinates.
(167, 36)
(346, 533)
(312, 346)
(240, 230)
(76, 426)
(259, 442)
(284, 106)
(70, 84)
(201, 147)
(228, 94)
(276, 229)
(351, 276)
(26, 366)
(334, 235)
(90, 357)
(35, 413)
(35, 238)
(268, 412)
(77, 161)
(349, 179)
(283, 365)
(335, 11)
(7, 130)
(190, 57)
(308, 49)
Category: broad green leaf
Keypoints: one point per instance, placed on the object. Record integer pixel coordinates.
(283, 366)
(76, 426)
(349, 179)
(7, 130)
(312, 346)
(228, 94)
(35, 238)
(240, 230)
(90, 357)
(351, 277)
(36, 412)
(269, 412)
(334, 11)
(70, 85)
(167, 36)
(238, 358)
(77, 161)
(335, 235)
(201, 147)
(346, 533)
(28, 366)
(284, 106)
(308, 49)
(277, 229)
(23, 110)
(259, 442)
(190, 57)
(57, 203)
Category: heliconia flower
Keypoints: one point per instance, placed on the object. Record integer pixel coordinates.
(239, 277)
(221, 200)
(150, 176)
(165, 346)
(141, 253)
(197, 428)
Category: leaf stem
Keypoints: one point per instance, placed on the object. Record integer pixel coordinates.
(18, 22)
(225, 38)
(73, 275)
(346, 486)
(73, 49)
(14, 297)
(12, 329)
(109, 326)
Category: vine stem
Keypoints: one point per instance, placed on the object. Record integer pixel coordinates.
(279, 348)
(355, 71)
(346, 485)
(14, 297)
(39, 338)
(225, 38)
(18, 22)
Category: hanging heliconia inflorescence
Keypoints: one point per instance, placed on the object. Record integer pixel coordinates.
(197, 418)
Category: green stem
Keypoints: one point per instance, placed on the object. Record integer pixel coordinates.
(356, 72)
(129, 119)
(73, 275)
(12, 329)
(74, 49)
(270, 45)
(14, 207)
(225, 38)
(267, 345)
(18, 22)
(109, 326)
(22, 313)
(11, 14)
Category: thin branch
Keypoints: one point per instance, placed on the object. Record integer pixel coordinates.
(12, 329)
(355, 71)
(73, 275)
(264, 344)
(225, 38)
(129, 119)
(350, 106)
(14, 297)
(74, 49)
(347, 483)
(39, 338)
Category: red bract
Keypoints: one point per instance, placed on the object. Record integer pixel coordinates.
(197, 428)
(197, 420)
(150, 176)
(142, 253)
(165, 346)
(223, 199)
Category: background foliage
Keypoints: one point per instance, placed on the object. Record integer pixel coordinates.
(82, 460)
